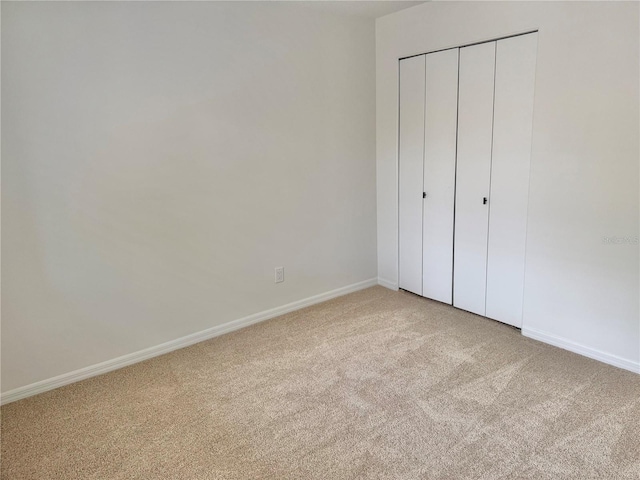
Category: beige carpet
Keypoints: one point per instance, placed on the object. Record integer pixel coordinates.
(376, 384)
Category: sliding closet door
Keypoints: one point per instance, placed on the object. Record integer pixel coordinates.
(439, 173)
(411, 154)
(473, 175)
(513, 117)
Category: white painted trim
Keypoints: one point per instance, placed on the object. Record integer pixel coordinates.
(582, 349)
(141, 355)
(387, 284)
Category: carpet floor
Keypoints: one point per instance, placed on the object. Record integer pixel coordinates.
(373, 385)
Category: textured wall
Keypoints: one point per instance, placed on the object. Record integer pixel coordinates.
(159, 159)
(580, 287)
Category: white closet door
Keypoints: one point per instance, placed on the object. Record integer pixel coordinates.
(473, 176)
(512, 125)
(411, 154)
(439, 174)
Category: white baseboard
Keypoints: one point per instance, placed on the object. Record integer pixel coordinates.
(141, 355)
(387, 284)
(581, 349)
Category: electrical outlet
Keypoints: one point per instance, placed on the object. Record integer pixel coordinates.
(279, 274)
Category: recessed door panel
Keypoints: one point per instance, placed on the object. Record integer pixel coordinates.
(411, 154)
(439, 173)
(473, 169)
(513, 118)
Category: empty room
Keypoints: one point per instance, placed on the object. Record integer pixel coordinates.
(320, 240)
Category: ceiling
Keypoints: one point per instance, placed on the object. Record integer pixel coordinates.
(360, 8)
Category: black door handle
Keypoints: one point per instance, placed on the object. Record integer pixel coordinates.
(424, 194)
(484, 200)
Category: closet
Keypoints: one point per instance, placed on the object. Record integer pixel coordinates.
(465, 120)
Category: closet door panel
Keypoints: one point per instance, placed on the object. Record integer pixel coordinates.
(439, 174)
(411, 154)
(473, 172)
(513, 117)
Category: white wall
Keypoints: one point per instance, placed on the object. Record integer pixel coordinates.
(161, 158)
(579, 292)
